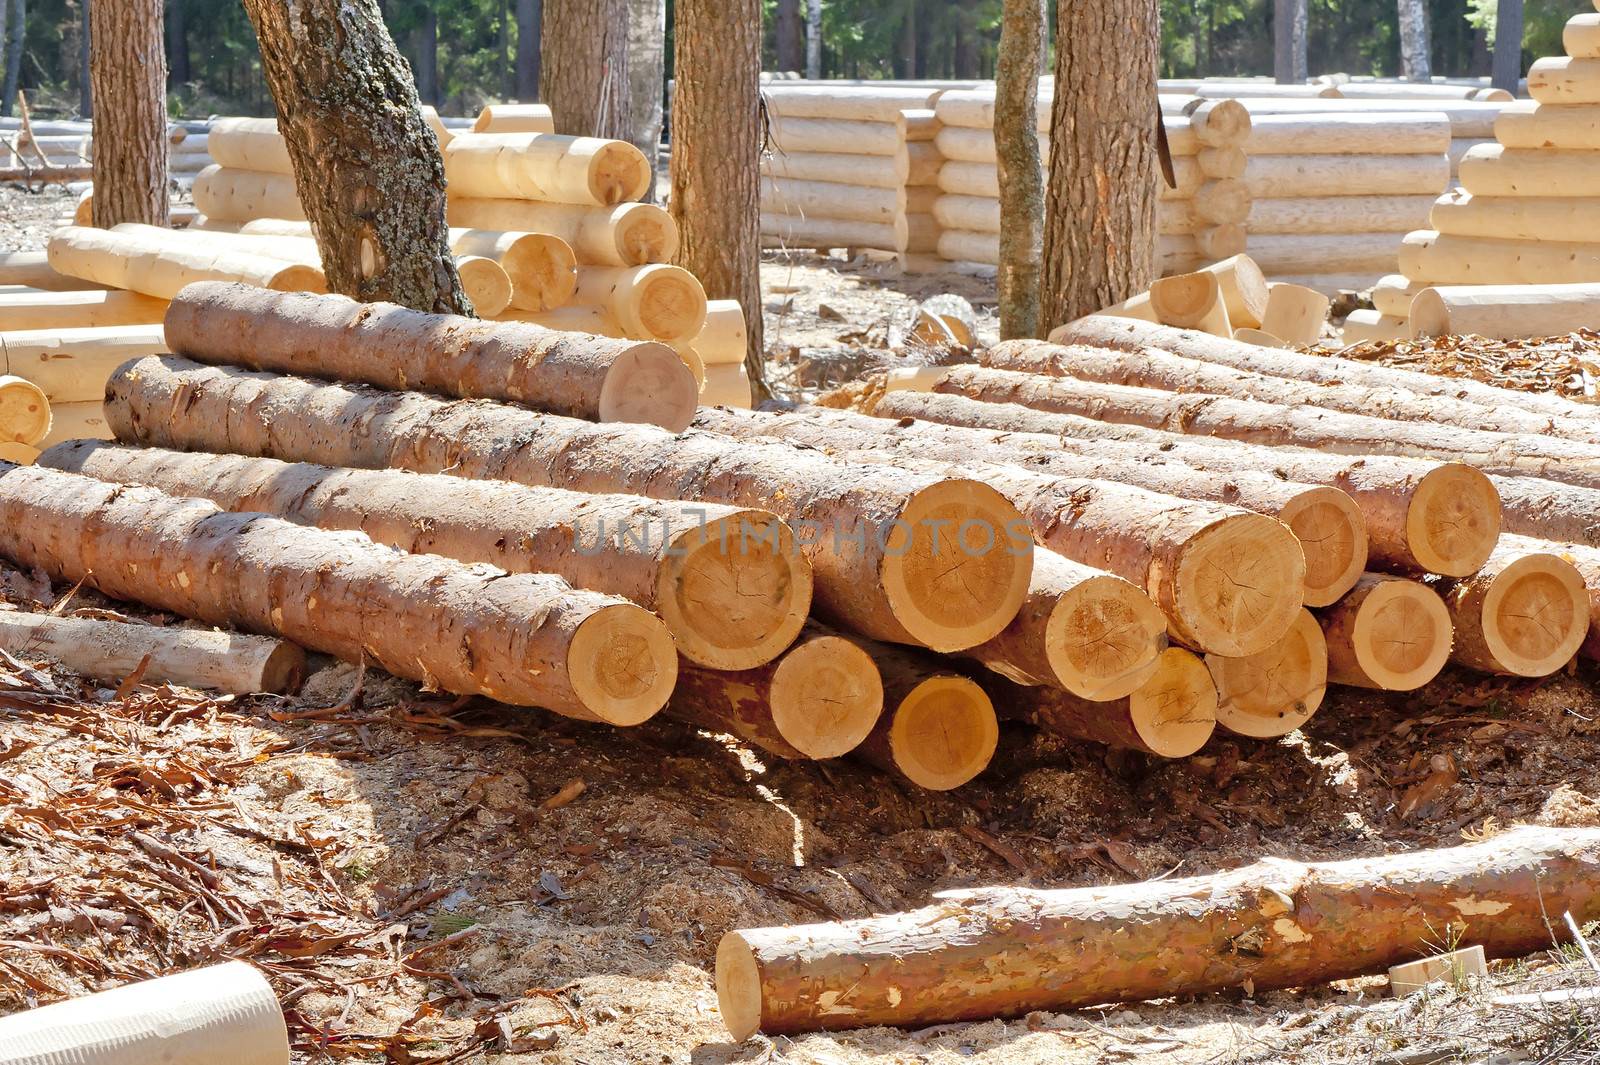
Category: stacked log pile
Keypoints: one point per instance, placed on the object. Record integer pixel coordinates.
(1512, 253)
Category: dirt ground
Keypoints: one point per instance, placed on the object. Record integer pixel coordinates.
(433, 880)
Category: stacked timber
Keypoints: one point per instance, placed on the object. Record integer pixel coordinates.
(1198, 221)
(1513, 252)
(843, 165)
(1232, 299)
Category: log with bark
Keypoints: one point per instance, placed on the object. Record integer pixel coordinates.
(880, 540)
(820, 699)
(628, 234)
(1586, 560)
(1275, 691)
(1388, 633)
(1171, 715)
(111, 651)
(394, 347)
(1524, 614)
(987, 952)
(525, 639)
(1411, 507)
(1330, 528)
(938, 729)
(727, 581)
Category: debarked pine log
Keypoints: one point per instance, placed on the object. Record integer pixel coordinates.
(526, 639)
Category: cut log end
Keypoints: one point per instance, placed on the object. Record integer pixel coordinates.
(618, 172)
(1402, 636)
(298, 277)
(1333, 535)
(650, 384)
(1175, 711)
(1274, 692)
(24, 411)
(735, 592)
(671, 303)
(623, 664)
(738, 987)
(1535, 615)
(944, 732)
(953, 571)
(1238, 585)
(1104, 638)
(485, 283)
(285, 669)
(645, 234)
(543, 271)
(826, 697)
(1453, 522)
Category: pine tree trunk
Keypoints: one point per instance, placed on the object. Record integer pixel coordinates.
(16, 37)
(716, 143)
(1415, 61)
(1100, 206)
(1016, 145)
(584, 72)
(813, 38)
(529, 15)
(85, 46)
(1507, 45)
(1289, 51)
(789, 36)
(177, 43)
(129, 75)
(367, 167)
(647, 51)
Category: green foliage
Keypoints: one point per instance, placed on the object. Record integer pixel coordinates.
(1542, 22)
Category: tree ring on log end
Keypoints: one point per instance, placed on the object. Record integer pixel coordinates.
(284, 670)
(1104, 638)
(1273, 692)
(953, 570)
(1535, 615)
(1453, 521)
(667, 303)
(1333, 535)
(1175, 711)
(738, 987)
(618, 172)
(944, 732)
(543, 271)
(1402, 635)
(735, 592)
(24, 411)
(644, 233)
(298, 277)
(826, 697)
(623, 664)
(485, 283)
(649, 383)
(1238, 585)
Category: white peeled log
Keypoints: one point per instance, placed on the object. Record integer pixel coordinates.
(1468, 118)
(24, 412)
(1191, 301)
(1373, 253)
(654, 302)
(1529, 218)
(828, 199)
(838, 135)
(1447, 259)
(230, 195)
(1214, 90)
(854, 103)
(1219, 242)
(546, 166)
(485, 283)
(974, 109)
(923, 163)
(541, 269)
(1221, 163)
(980, 214)
(1494, 170)
(514, 118)
(1178, 218)
(793, 231)
(965, 245)
(921, 198)
(1175, 255)
(213, 1014)
(1363, 326)
(1505, 312)
(78, 309)
(73, 365)
(1286, 176)
(76, 421)
(1219, 123)
(1329, 284)
(1339, 214)
(1529, 124)
(876, 171)
(249, 144)
(1393, 293)
(1260, 338)
(726, 386)
(160, 265)
(1295, 314)
(1580, 38)
(628, 234)
(1407, 90)
(1222, 202)
(970, 179)
(32, 269)
(1459, 150)
(722, 340)
(1564, 80)
(1354, 133)
(965, 145)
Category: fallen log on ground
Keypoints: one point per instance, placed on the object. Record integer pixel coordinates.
(820, 699)
(1524, 614)
(528, 639)
(161, 266)
(394, 347)
(727, 581)
(79, 309)
(1227, 580)
(1003, 952)
(872, 575)
(1171, 715)
(938, 728)
(72, 365)
(1330, 528)
(1420, 516)
(1388, 633)
(111, 651)
(1273, 692)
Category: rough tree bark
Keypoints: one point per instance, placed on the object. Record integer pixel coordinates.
(367, 167)
(1290, 63)
(716, 144)
(85, 45)
(813, 38)
(129, 74)
(789, 36)
(1016, 149)
(1415, 61)
(647, 50)
(1100, 205)
(1507, 45)
(583, 74)
(529, 15)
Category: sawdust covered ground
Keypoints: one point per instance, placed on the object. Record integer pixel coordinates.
(430, 879)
